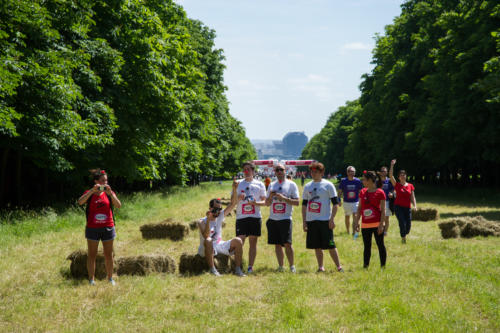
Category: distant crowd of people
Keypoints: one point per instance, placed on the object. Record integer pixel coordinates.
(369, 200)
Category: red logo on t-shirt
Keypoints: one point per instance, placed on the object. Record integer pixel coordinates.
(247, 209)
(279, 208)
(314, 207)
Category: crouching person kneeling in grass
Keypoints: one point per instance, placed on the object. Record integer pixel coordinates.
(211, 242)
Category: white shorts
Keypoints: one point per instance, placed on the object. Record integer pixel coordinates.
(223, 248)
(387, 209)
(350, 208)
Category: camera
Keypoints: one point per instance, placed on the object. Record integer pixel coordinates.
(102, 188)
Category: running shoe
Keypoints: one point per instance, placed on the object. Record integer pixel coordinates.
(292, 269)
(340, 269)
(280, 269)
(92, 282)
(320, 270)
(238, 272)
(112, 282)
(214, 271)
(403, 240)
(250, 270)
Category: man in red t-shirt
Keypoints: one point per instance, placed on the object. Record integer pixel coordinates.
(405, 197)
(100, 222)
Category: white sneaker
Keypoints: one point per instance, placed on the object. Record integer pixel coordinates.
(92, 282)
(238, 272)
(214, 271)
(112, 282)
(292, 269)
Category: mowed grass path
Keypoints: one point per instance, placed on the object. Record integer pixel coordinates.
(430, 284)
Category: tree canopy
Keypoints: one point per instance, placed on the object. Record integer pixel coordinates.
(135, 87)
(432, 99)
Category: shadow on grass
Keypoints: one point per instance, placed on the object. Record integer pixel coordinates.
(493, 215)
(66, 274)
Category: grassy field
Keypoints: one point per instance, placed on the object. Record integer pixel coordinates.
(429, 285)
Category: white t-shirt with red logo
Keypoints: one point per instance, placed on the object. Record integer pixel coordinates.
(281, 210)
(318, 196)
(253, 191)
(100, 214)
(215, 232)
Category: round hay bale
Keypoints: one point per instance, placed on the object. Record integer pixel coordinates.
(144, 265)
(78, 266)
(449, 229)
(429, 214)
(167, 229)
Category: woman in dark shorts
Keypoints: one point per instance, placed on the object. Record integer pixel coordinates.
(100, 201)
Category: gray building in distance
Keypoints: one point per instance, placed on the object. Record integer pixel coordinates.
(289, 148)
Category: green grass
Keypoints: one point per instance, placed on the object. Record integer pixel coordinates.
(430, 284)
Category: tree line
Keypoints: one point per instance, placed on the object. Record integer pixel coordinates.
(134, 87)
(432, 99)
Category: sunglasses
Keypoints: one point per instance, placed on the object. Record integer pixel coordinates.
(279, 170)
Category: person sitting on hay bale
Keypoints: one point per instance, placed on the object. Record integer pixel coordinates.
(100, 200)
(211, 242)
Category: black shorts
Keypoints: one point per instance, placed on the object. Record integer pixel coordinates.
(249, 226)
(279, 231)
(319, 235)
(100, 234)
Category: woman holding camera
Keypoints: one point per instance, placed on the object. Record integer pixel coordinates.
(100, 201)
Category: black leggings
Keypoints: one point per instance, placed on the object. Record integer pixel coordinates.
(367, 241)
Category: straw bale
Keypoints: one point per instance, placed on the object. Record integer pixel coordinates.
(467, 227)
(78, 266)
(449, 229)
(429, 214)
(196, 264)
(166, 229)
(145, 264)
(192, 264)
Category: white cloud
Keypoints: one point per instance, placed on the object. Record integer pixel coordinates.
(318, 85)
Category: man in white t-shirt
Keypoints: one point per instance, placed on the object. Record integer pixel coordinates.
(211, 242)
(251, 196)
(282, 194)
(317, 218)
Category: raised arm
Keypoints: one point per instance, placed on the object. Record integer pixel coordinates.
(234, 199)
(391, 173)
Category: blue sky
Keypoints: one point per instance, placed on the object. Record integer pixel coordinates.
(290, 64)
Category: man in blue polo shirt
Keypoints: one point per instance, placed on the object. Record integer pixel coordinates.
(349, 187)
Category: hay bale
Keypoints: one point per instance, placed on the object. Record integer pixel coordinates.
(196, 264)
(192, 264)
(449, 229)
(479, 226)
(144, 265)
(429, 214)
(78, 267)
(226, 264)
(468, 227)
(166, 229)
